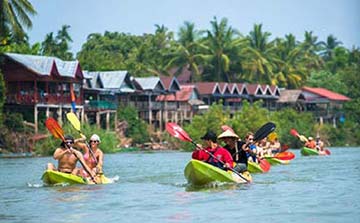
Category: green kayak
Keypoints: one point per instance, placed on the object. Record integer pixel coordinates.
(200, 173)
(254, 167)
(275, 161)
(51, 177)
(309, 152)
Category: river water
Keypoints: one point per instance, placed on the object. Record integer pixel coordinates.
(150, 187)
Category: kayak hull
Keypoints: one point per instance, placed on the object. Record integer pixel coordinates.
(312, 152)
(275, 161)
(200, 173)
(254, 167)
(51, 177)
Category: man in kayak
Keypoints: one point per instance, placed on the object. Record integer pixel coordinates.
(234, 147)
(213, 153)
(319, 144)
(310, 143)
(67, 158)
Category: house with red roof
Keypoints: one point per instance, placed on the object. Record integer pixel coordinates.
(326, 105)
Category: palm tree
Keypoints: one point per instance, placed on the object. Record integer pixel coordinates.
(14, 17)
(259, 65)
(222, 47)
(185, 52)
(311, 47)
(330, 45)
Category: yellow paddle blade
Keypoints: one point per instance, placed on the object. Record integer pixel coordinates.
(73, 119)
(303, 138)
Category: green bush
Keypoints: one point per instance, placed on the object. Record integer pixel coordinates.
(137, 128)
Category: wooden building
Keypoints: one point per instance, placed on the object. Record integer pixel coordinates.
(41, 84)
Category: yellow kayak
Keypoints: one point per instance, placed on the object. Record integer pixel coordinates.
(51, 177)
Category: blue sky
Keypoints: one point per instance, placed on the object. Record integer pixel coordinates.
(279, 17)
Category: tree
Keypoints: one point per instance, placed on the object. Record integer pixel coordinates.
(222, 47)
(185, 52)
(259, 65)
(14, 17)
(58, 46)
(330, 45)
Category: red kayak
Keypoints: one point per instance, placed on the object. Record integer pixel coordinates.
(285, 155)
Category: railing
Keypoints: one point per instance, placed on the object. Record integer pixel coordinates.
(31, 99)
(101, 105)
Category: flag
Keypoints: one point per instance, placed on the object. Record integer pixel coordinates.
(73, 99)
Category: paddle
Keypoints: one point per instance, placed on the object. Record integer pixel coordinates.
(56, 130)
(176, 131)
(75, 122)
(296, 134)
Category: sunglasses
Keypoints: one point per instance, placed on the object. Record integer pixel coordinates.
(69, 142)
(93, 141)
(250, 138)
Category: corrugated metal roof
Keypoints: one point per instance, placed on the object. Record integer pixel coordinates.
(150, 83)
(43, 65)
(115, 80)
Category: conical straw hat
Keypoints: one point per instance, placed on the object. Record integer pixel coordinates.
(228, 133)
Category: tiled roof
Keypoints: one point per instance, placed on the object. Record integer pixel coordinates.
(46, 65)
(254, 89)
(170, 83)
(206, 87)
(326, 93)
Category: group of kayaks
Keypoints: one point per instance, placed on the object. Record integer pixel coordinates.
(199, 173)
(196, 172)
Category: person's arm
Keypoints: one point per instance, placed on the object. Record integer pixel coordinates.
(100, 162)
(59, 153)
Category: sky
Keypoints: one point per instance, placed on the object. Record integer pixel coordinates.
(340, 18)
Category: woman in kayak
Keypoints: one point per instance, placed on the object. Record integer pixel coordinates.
(219, 157)
(93, 155)
(234, 147)
(67, 157)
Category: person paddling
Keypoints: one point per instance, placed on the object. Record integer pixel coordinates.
(234, 147)
(223, 158)
(310, 143)
(67, 158)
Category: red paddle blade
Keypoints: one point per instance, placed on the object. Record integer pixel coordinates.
(176, 131)
(226, 127)
(265, 165)
(284, 147)
(285, 156)
(54, 128)
(327, 152)
(294, 132)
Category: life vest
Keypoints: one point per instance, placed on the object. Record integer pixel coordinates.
(211, 160)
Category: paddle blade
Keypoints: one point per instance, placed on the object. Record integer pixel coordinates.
(327, 152)
(73, 119)
(176, 131)
(226, 127)
(265, 165)
(54, 128)
(294, 133)
(284, 147)
(285, 156)
(264, 131)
